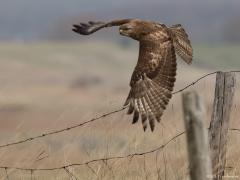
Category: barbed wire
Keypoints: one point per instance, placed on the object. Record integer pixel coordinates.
(65, 167)
(199, 79)
(98, 160)
(101, 116)
(62, 130)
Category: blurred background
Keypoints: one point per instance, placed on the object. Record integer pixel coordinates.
(207, 21)
(51, 78)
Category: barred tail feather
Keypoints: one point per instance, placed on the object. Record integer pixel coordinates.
(182, 43)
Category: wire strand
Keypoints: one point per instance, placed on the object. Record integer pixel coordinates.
(100, 159)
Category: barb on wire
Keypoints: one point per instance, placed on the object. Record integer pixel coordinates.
(100, 159)
(97, 118)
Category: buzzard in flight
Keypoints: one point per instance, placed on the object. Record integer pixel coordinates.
(154, 75)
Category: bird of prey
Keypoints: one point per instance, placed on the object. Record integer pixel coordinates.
(153, 78)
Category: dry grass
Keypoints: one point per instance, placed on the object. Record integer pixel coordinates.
(46, 86)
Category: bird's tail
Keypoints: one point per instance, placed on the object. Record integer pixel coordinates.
(182, 43)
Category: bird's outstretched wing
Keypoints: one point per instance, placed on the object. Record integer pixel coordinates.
(91, 26)
(152, 84)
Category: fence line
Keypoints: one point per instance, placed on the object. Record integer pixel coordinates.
(100, 159)
(62, 130)
(101, 116)
(97, 160)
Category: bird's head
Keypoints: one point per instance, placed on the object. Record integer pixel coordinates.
(136, 29)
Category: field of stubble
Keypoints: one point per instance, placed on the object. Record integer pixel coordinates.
(47, 86)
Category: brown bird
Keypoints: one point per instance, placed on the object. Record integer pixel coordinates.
(154, 75)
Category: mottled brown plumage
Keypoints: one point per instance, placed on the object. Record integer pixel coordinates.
(153, 78)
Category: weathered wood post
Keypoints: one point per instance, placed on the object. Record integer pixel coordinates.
(224, 92)
(197, 139)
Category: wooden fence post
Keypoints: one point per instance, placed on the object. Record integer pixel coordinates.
(224, 92)
(198, 154)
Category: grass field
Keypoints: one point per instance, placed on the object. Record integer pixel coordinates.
(46, 86)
